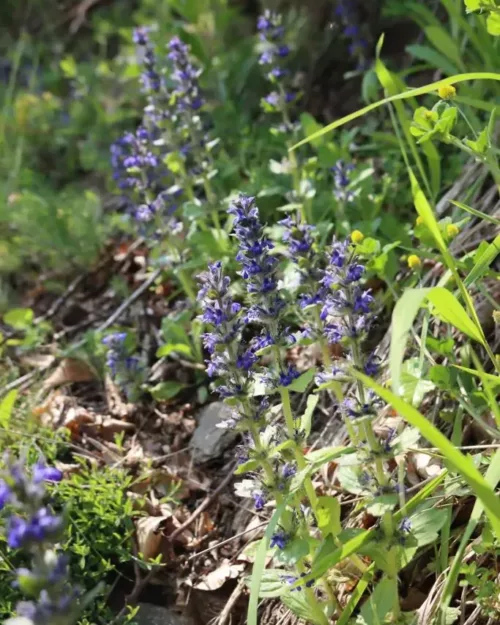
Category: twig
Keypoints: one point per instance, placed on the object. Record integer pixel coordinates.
(129, 301)
(204, 504)
(228, 540)
(79, 14)
(27, 377)
(235, 595)
(139, 586)
(60, 301)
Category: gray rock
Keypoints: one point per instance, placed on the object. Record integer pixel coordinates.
(150, 614)
(209, 441)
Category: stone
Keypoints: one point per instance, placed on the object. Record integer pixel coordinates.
(150, 614)
(209, 441)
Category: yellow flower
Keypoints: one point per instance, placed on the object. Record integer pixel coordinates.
(357, 236)
(452, 230)
(414, 262)
(419, 221)
(447, 92)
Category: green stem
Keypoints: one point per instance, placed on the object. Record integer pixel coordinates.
(268, 470)
(187, 285)
(297, 452)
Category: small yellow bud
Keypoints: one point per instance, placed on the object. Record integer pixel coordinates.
(357, 236)
(452, 230)
(447, 92)
(414, 262)
(496, 317)
(419, 221)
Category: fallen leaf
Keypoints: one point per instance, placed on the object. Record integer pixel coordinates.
(37, 361)
(70, 370)
(216, 579)
(149, 536)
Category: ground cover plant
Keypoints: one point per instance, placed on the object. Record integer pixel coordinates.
(250, 314)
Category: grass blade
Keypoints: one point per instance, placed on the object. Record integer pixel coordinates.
(411, 93)
(260, 565)
(446, 305)
(492, 477)
(461, 463)
(483, 263)
(477, 213)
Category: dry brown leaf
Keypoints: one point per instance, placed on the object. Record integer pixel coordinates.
(70, 370)
(426, 466)
(37, 360)
(148, 535)
(216, 579)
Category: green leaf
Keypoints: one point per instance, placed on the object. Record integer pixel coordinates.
(472, 5)
(434, 58)
(6, 407)
(356, 595)
(443, 42)
(447, 308)
(491, 379)
(174, 162)
(492, 477)
(294, 551)
(69, 67)
(378, 506)
(298, 604)
(481, 144)
(443, 377)
(483, 263)
(260, 564)
(19, 318)
(378, 605)
(306, 419)
(393, 85)
(328, 560)
(328, 516)
(462, 464)
(166, 390)
(414, 384)
(411, 93)
(301, 383)
(310, 126)
(272, 584)
(477, 213)
(320, 457)
(250, 465)
(193, 210)
(425, 525)
(171, 348)
(493, 24)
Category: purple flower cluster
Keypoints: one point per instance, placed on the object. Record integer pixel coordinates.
(33, 526)
(259, 271)
(125, 369)
(274, 58)
(347, 12)
(347, 309)
(258, 266)
(342, 181)
(150, 77)
(137, 166)
(185, 75)
(231, 360)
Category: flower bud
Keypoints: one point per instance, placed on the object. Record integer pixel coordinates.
(414, 262)
(357, 237)
(447, 92)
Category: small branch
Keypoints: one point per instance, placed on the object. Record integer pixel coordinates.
(129, 301)
(204, 504)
